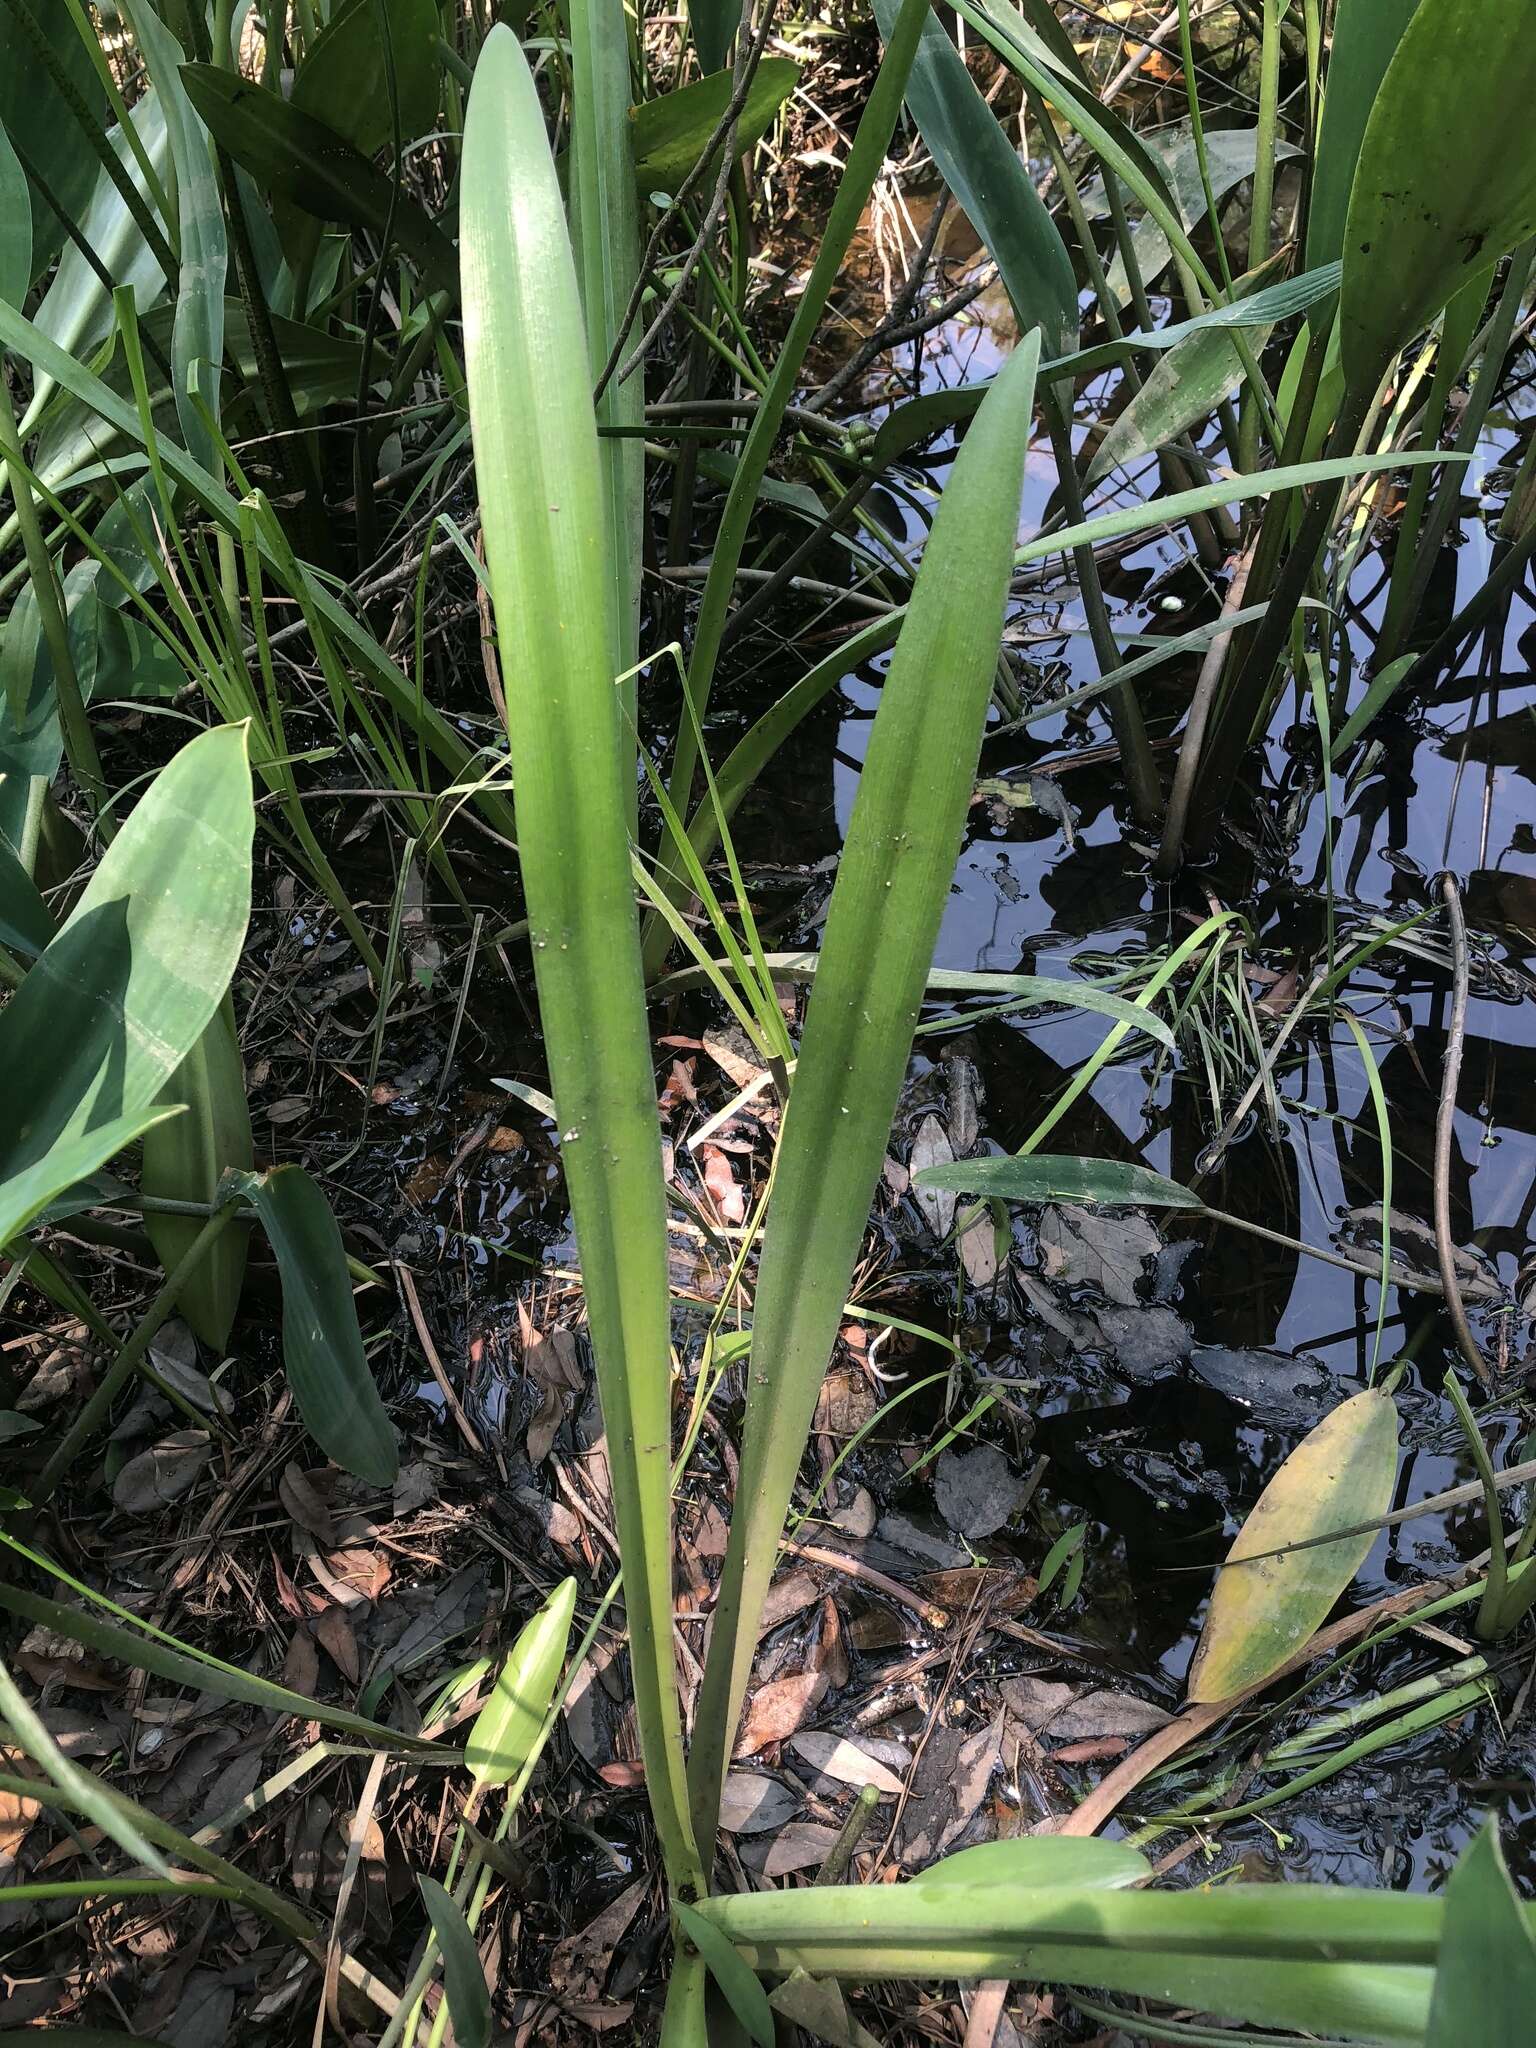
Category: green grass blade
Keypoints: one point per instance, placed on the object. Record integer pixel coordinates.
(605, 232)
(198, 335)
(541, 497)
(897, 867)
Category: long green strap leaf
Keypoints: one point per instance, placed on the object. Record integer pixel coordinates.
(546, 544)
(897, 866)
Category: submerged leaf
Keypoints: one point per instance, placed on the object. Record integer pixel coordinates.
(1058, 1177)
(1339, 1475)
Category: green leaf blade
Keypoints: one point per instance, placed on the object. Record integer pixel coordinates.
(896, 871)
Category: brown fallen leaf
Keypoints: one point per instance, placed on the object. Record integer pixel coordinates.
(301, 1664)
(836, 1757)
(552, 1362)
(788, 1596)
(305, 1505)
(778, 1708)
(803, 1845)
(752, 1803)
(163, 1473)
(578, 1965)
(334, 1632)
(721, 1182)
(17, 1814)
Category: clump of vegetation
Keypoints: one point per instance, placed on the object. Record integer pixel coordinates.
(342, 338)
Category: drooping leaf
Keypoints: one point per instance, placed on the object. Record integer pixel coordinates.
(667, 135)
(1321, 1959)
(737, 1981)
(714, 24)
(895, 876)
(541, 498)
(304, 163)
(344, 78)
(1052, 1177)
(1485, 1978)
(183, 1160)
(990, 181)
(1446, 178)
(128, 986)
(468, 1994)
(1340, 1474)
(198, 335)
(323, 1355)
(507, 1726)
(1183, 388)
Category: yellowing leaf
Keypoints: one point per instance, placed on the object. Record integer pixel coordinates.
(1339, 1475)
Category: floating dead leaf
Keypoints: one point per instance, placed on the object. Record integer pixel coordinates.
(1098, 1248)
(931, 1147)
(831, 1652)
(818, 2005)
(164, 1473)
(415, 1487)
(287, 1109)
(858, 1516)
(977, 1490)
(625, 1775)
(552, 1362)
(778, 1708)
(721, 1183)
(978, 1250)
(1003, 1592)
(980, 1756)
(305, 1505)
(845, 1404)
(45, 1655)
(789, 1596)
(836, 1757)
(1072, 1714)
(752, 1803)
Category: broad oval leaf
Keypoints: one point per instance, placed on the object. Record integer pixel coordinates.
(1059, 1177)
(667, 135)
(1030, 1860)
(468, 1994)
(1364, 35)
(1339, 1475)
(344, 79)
(507, 1726)
(38, 119)
(305, 163)
(26, 923)
(184, 1160)
(1485, 1979)
(1446, 180)
(126, 989)
(323, 1353)
(737, 1980)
